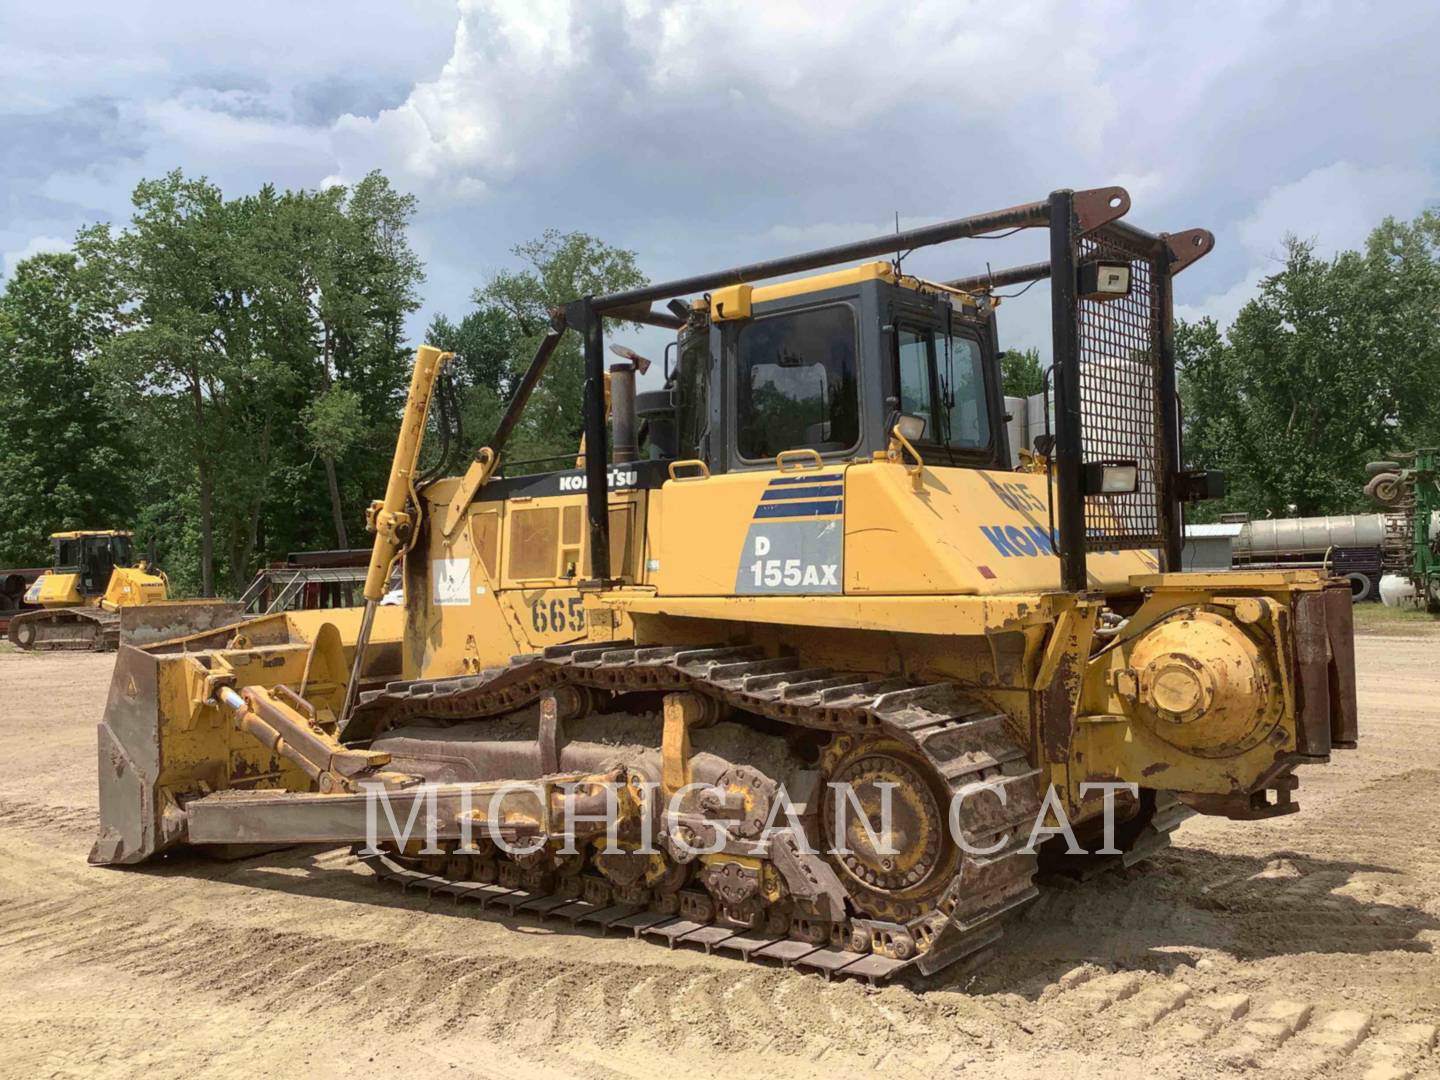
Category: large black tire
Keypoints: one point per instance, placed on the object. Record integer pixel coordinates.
(1361, 586)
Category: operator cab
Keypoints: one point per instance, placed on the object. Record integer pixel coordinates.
(91, 555)
(826, 364)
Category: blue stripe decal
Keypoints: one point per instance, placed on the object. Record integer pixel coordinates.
(821, 508)
(820, 492)
(807, 479)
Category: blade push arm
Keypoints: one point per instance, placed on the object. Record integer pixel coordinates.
(394, 526)
(392, 523)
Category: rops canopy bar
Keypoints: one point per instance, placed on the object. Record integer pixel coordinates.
(1184, 248)
(998, 279)
(527, 384)
(1026, 216)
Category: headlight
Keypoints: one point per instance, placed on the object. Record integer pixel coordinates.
(1111, 477)
(911, 427)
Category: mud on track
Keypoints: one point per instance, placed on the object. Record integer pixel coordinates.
(1304, 946)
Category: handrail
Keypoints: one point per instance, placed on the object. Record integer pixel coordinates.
(284, 595)
(807, 453)
(918, 468)
(675, 466)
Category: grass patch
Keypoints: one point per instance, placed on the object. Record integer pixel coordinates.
(1375, 618)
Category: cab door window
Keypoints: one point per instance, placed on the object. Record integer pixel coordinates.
(797, 383)
(693, 394)
(941, 377)
(97, 564)
(915, 379)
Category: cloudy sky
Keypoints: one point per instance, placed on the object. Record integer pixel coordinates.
(706, 133)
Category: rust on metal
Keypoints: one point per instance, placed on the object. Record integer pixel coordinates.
(1344, 708)
(1312, 662)
(1061, 678)
(1095, 207)
(1188, 247)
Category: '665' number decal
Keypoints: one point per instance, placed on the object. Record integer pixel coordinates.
(557, 616)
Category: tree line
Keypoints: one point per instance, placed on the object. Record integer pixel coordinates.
(1335, 362)
(224, 375)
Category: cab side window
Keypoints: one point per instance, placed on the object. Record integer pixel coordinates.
(797, 383)
(67, 554)
(962, 389)
(693, 394)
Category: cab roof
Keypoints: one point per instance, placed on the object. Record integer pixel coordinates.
(80, 534)
(735, 301)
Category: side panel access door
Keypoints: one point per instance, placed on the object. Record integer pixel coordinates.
(751, 534)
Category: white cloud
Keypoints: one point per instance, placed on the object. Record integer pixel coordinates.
(1335, 207)
(718, 133)
(529, 84)
(34, 246)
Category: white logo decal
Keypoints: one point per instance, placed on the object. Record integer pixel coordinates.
(617, 479)
(451, 579)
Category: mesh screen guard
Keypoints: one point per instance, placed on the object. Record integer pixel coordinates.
(1120, 395)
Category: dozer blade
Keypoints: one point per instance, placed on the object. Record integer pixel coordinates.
(163, 742)
(145, 624)
(129, 745)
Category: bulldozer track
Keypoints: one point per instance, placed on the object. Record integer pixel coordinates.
(961, 740)
(78, 629)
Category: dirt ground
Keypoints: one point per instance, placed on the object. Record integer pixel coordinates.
(1304, 947)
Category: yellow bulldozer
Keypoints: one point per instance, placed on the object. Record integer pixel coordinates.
(95, 594)
(795, 667)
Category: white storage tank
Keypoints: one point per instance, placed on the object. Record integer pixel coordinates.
(1396, 591)
(1017, 427)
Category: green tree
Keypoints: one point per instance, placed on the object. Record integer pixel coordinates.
(64, 451)
(1299, 393)
(559, 267)
(187, 356)
(343, 279)
(1399, 291)
(1021, 372)
(486, 342)
(260, 350)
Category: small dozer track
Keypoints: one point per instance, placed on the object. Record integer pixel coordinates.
(89, 629)
(928, 908)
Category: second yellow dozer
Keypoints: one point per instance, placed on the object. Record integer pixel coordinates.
(95, 594)
(839, 677)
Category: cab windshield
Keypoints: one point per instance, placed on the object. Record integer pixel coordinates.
(122, 550)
